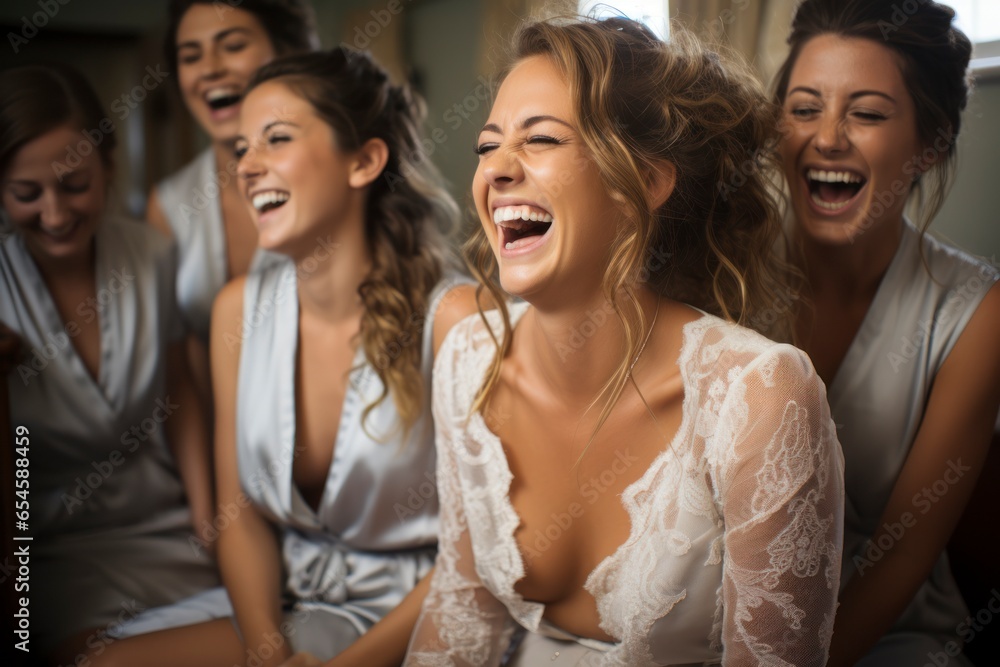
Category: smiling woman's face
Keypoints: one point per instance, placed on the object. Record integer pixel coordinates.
(56, 212)
(851, 149)
(296, 179)
(541, 200)
(217, 54)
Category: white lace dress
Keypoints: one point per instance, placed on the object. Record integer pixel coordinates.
(736, 528)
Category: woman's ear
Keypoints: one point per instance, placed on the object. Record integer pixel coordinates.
(660, 184)
(368, 163)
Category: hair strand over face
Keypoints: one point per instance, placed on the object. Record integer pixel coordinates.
(641, 104)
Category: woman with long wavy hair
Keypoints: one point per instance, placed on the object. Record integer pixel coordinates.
(321, 369)
(626, 475)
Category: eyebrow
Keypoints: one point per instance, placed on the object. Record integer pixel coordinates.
(269, 126)
(192, 44)
(528, 122)
(854, 95)
(273, 123)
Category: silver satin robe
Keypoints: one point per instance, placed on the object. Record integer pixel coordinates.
(108, 514)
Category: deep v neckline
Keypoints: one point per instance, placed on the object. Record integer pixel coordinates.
(479, 430)
(297, 499)
(97, 385)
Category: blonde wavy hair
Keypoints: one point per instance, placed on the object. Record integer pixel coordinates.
(408, 208)
(641, 102)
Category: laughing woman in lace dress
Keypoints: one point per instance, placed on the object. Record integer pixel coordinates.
(626, 476)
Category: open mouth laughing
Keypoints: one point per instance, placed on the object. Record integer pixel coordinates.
(521, 227)
(222, 100)
(833, 191)
(265, 201)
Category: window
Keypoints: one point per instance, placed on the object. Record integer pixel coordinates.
(651, 12)
(980, 20)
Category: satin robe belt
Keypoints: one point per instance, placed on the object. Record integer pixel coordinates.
(322, 569)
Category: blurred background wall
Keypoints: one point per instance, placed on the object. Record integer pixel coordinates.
(447, 49)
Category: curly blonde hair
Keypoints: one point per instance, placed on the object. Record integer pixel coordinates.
(640, 103)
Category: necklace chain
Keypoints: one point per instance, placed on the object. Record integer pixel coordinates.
(645, 340)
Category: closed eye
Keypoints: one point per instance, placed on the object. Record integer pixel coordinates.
(27, 197)
(804, 112)
(484, 148)
(76, 188)
(869, 115)
(189, 56)
(544, 139)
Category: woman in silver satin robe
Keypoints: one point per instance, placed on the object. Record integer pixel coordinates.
(116, 443)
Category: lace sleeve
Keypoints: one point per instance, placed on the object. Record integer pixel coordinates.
(461, 623)
(782, 491)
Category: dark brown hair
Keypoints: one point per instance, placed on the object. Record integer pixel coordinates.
(35, 99)
(933, 57)
(290, 24)
(406, 211)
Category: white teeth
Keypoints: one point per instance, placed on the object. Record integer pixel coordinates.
(507, 213)
(218, 93)
(830, 206)
(510, 245)
(833, 176)
(262, 199)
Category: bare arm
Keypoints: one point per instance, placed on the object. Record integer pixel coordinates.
(249, 558)
(155, 216)
(385, 644)
(187, 435)
(950, 446)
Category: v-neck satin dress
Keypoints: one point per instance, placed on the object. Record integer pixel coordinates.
(374, 534)
(108, 515)
(878, 398)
